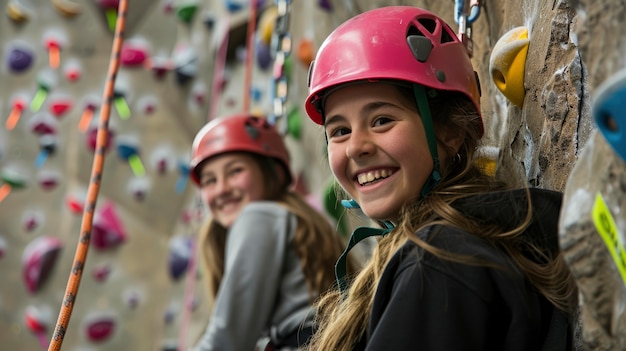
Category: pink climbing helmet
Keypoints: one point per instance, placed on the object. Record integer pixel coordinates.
(391, 43)
(242, 132)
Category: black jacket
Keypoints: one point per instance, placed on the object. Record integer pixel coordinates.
(426, 303)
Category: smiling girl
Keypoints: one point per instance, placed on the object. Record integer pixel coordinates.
(462, 262)
(268, 254)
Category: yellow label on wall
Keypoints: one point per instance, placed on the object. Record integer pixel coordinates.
(605, 224)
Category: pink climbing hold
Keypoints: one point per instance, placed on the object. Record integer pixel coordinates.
(162, 166)
(38, 321)
(31, 222)
(101, 273)
(3, 246)
(34, 320)
(43, 128)
(74, 204)
(72, 73)
(100, 329)
(109, 3)
(107, 232)
(133, 55)
(59, 107)
(48, 180)
(92, 135)
(104, 237)
(40, 257)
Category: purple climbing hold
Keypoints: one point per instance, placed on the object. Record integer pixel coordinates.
(325, 5)
(179, 257)
(263, 55)
(19, 59)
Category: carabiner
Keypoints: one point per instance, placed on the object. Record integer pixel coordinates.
(459, 11)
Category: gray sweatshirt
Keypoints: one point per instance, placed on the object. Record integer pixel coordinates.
(263, 291)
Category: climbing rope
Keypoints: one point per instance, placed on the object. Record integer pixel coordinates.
(73, 283)
(281, 49)
(466, 12)
(190, 288)
(219, 66)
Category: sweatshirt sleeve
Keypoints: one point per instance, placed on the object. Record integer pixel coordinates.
(255, 249)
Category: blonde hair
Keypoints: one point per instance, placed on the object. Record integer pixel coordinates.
(316, 242)
(342, 321)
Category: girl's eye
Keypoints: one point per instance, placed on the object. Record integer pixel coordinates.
(236, 170)
(337, 132)
(379, 121)
(206, 181)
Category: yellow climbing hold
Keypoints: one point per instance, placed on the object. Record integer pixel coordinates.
(67, 8)
(16, 11)
(487, 159)
(267, 22)
(507, 64)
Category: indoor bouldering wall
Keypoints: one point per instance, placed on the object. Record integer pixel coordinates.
(549, 71)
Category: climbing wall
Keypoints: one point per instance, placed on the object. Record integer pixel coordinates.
(55, 59)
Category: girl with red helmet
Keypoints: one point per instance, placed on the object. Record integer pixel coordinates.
(268, 254)
(463, 262)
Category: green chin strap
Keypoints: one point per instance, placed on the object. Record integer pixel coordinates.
(424, 110)
(361, 233)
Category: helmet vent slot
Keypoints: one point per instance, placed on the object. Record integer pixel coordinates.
(428, 23)
(446, 37)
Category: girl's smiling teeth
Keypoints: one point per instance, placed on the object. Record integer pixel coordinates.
(369, 177)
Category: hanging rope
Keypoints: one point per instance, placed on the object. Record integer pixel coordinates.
(73, 283)
(188, 296)
(249, 56)
(218, 68)
(281, 49)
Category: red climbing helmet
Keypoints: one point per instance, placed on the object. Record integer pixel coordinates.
(395, 42)
(242, 132)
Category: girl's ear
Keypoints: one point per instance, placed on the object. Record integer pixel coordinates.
(453, 139)
(283, 176)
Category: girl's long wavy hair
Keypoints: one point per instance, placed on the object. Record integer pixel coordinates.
(342, 321)
(316, 242)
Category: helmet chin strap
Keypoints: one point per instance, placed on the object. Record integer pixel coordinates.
(424, 110)
(361, 233)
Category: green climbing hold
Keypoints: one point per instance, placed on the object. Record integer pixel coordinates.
(294, 123)
(186, 12)
(12, 179)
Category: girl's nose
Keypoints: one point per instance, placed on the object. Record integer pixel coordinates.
(222, 186)
(360, 145)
